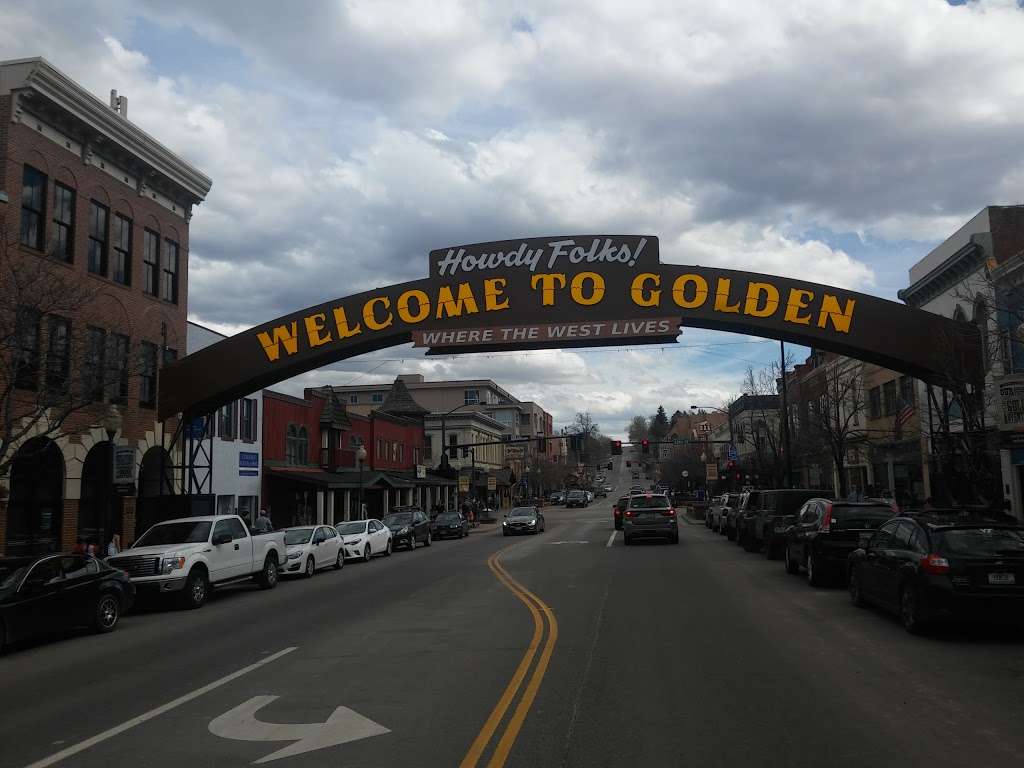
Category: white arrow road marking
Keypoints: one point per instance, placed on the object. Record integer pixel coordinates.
(342, 726)
(573, 541)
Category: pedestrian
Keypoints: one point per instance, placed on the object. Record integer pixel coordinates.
(79, 548)
(91, 548)
(263, 524)
(114, 545)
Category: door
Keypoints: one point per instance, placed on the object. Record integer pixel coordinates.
(319, 550)
(803, 532)
(331, 545)
(873, 565)
(79, 588)
(36, 609)
(375, 537)
(242, 549)
(233, 558)
(894, 558)
(422, 526)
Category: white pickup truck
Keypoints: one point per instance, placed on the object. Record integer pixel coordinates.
(189, 555)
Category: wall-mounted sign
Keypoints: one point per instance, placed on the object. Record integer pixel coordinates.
(566, 291)
(248, 464)
(712, 470)
(421, 472)
(463, 483)
(1011, 403)
(492, 483)
(124, 469)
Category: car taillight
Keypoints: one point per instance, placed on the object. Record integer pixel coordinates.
(826, 522)
(669, 513)
(934, 564)
(615, 511)
(630, 513)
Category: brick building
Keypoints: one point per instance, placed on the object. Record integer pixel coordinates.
(95, 216)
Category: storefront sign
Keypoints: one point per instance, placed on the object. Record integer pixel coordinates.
(463, 483)
(421, 472)
(124, 469)
(1011, 403)
(712, 470)
(563, 292)
(492, 483)
(248, 464)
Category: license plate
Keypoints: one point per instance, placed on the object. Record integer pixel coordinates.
(1002, 578)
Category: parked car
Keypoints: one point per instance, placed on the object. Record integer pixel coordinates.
(734, 515)
(720, 510)
(576, 498)
(713, 505)
(826, 532)
(451, 525)
(523, 520)
(608, 488)
(408, 525)
(311, 547)
(649, 515)
(362, 539)
(186, 556)
(600, 491)
(58, 592)
(927, 569)
(618, 508)
(767, 515)
(590, 496)
(558, 497)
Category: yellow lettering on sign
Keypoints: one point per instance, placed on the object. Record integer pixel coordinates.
(341, 323)
(315, 329)
(642, 295)
(370, 318)
(798, 299)
(830, 310)
(596, 288)
(450, 306)
(422, 306)
(722, 297)
(547, 282)
(493, 291)
(762, 300)
(700, 292)
(279, 335)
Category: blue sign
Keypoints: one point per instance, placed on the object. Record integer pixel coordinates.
(197, 428)
(733, 454)
(248, 464)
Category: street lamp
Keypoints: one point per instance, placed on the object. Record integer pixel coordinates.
(112, 421)
(360, 458)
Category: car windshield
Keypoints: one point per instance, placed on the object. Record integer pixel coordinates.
(397, 521)
(851, 517)
(448, 518)
(350, 529)
(10, 578)
(982, 542)
(649, 502)
(523, 512)
(184, 532)
(297, 536)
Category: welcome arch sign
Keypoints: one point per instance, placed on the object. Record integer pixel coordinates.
(567, 291)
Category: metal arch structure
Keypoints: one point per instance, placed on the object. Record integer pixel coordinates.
(568, 291)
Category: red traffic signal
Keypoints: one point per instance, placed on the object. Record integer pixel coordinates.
(645, 446)
(616, 447)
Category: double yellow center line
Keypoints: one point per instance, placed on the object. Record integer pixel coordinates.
(543, 619)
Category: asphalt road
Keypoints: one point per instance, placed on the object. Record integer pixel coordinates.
(654, 655)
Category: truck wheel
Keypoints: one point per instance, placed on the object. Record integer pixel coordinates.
(197, 589)
(310, 567)
(106, 613)
(268, 576)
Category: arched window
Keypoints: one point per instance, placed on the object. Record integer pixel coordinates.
(302, 447)
(291, 439)
(100, 507)
(36, 508)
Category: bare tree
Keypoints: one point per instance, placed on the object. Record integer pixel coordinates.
(638, 429)
(763, 422)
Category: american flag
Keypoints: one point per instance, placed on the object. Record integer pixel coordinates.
(904, 410)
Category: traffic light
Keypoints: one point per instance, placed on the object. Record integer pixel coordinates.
(645, 446)
(616, 447)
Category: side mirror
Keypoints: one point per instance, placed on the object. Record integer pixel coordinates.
(221, 538)
(863, 539)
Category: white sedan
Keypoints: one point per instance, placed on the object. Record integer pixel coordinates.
(365, 538)
(311, 547)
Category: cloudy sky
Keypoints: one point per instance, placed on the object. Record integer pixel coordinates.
(838, 141)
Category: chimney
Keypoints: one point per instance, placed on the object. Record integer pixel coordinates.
(119, 103)
(113, 99)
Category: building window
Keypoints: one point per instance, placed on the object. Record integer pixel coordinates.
(289, 444)
(453, 443)
(378, 397)
(147, 378)
(353, 398)
(63, 223)
(169, 275)
(889, 398)
(875, 403)
(150, 262)
(58, 354)
(247, 427)
(226, 421)
(354, 441)
(98, 224)
(94, 363)
(471, 397)
(907, 390)
(170, 355)
(122, 250)
(302, 446)
(117, 368)
(26, 370)
(33, 205)
(401, 452)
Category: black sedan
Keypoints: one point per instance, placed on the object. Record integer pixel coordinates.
(927, 569)
(523, 520)
(408, 525)
(450, 525)
(57, 592)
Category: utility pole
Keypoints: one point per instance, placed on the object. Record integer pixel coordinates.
(785, 417)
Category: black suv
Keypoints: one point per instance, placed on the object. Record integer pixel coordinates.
(826, 532)
(766, 515)
(408, 525)
(930, 568)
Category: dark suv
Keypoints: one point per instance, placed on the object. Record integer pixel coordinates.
(826, 532)
(766, 515)
(650, 516)
(408, 525)
(576, 498)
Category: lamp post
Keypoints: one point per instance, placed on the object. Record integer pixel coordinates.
(111, 425)
(360, 458)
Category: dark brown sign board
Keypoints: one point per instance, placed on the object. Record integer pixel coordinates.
(580, 280)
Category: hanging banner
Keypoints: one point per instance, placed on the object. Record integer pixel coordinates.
(124, 469)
